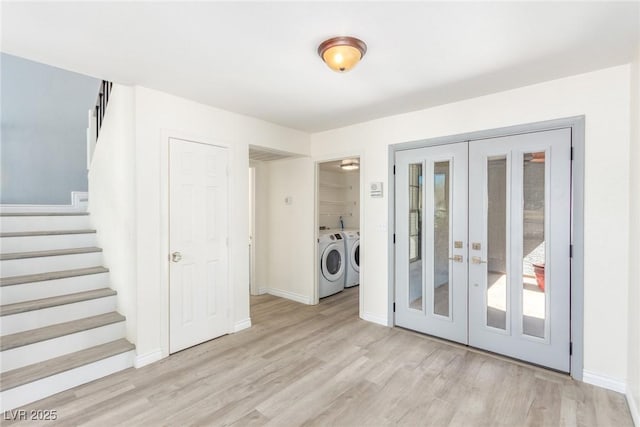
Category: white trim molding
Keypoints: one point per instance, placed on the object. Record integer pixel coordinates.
(242, 324)
(374, 318)
(604, 381)
(304, 299)
(633, 408)
(79, 203)
(147, 358)
(262, 291)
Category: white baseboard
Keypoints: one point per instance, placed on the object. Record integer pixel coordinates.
(147, 358)
(242, 324)
(633, 408)
(262, 291)
(604, 381)
(79, 203)
(374, 318)
(289, 295)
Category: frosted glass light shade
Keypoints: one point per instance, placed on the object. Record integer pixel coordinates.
(342, 53)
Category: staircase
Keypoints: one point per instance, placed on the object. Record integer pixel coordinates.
(58, 322)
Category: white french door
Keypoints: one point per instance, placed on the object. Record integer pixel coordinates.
(431, 235)
(506, 254)
(198, 286)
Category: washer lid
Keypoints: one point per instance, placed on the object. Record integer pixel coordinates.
(332, 262)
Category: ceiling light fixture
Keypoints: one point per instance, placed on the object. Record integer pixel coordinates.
(350, 165)
(342, 53)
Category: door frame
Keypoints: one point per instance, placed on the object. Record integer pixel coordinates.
(253, 286)
(577, 125)
(316, 222)
(166, 135)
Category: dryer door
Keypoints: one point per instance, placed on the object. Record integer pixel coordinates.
(332, 264)
(354, 256)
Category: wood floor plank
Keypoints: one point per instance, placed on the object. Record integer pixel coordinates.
(322, 365)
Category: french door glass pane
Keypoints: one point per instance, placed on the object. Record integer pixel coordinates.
(415, 236)
(497, 280)
(533, 280)
(441, 217)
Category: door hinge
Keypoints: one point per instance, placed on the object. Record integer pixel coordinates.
(394, 238)
(571, 153)
(394, 169)
(570, 251)
(570, 349)
(394, 307)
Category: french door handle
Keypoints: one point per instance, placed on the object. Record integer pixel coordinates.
(176, 257)
(456, 258)
(477, 260)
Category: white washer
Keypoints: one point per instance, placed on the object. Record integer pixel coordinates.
(332, 263)
(352, 250)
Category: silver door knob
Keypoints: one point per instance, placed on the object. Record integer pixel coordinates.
(456, 258)
(477, 260)
(176, 257)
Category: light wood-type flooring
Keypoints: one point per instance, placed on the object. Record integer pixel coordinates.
(322, 365)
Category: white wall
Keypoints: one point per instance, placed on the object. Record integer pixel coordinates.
(112, 195)
(291, 233)
(44, 121)
(633, 382)
(603, 97)
(158, 116)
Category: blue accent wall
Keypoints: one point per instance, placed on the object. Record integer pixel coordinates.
(43, 135)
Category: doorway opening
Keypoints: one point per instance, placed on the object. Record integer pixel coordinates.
(338, 218)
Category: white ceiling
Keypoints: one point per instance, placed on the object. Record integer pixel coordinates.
(260, 59)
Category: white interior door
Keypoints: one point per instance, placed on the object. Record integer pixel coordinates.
(198, 289)
(431, 239)
(519, 234)
(483, 232)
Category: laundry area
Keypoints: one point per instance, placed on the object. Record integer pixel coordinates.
(338, 208)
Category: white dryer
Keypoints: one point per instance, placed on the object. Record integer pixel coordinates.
(332, 263)
(352, 250)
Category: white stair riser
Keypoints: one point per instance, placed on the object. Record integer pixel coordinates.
(50, 316)
(44, 350)
(19, 267)
(46, 243)
(43, 223)
(52, 288)
(19, 396)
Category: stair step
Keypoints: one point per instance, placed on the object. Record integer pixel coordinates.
(61, 329)
(22, 307)
(7, 214)
(23, 263)
(13, 223)
(27, 374)
(55, 252)
(48, 386)
(45, 233)
(53, 275)
(33, 241)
